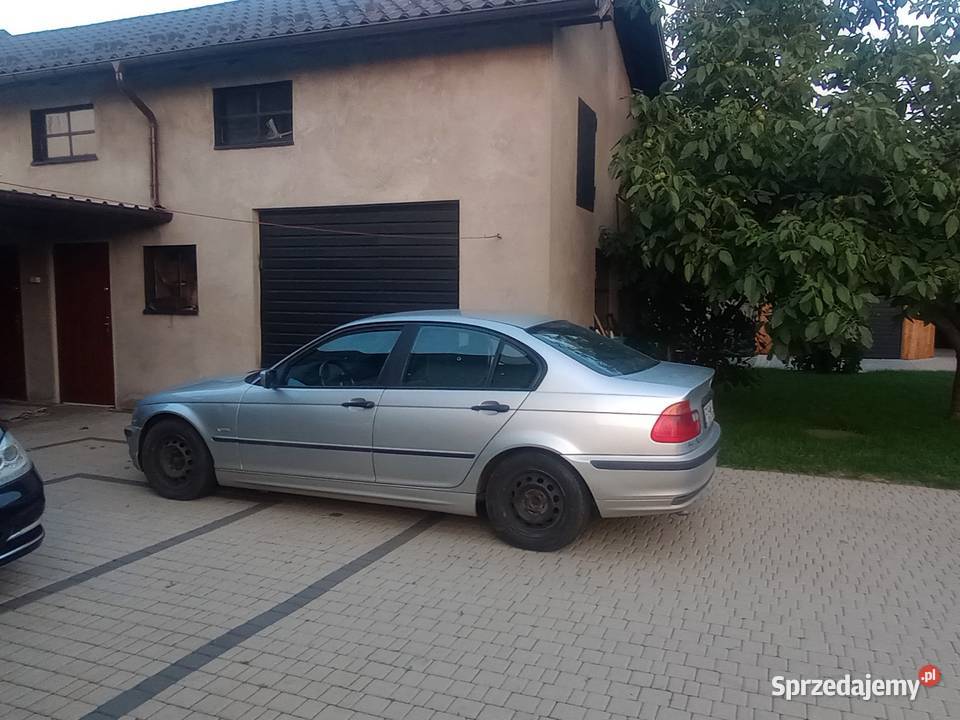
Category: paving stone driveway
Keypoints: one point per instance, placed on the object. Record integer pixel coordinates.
(261, 606)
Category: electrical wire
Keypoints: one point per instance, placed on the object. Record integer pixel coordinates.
(60, 194)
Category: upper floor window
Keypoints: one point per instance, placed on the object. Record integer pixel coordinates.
(586, 156)
(253, 115)
(65, 134)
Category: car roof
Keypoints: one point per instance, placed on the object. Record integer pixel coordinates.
(520, 320)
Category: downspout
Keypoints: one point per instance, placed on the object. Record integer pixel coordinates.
(152, 121)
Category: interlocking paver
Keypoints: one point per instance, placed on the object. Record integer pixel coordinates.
(664, 618)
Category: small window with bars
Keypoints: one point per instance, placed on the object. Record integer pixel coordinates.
(65, 134)
(170, 279)
(253, 115)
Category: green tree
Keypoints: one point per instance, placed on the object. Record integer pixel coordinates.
(805, 154)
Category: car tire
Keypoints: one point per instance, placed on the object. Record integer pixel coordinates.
(176, 461)
(535, 501)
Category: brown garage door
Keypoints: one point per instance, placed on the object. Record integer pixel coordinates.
(324, 266)
(84, 332)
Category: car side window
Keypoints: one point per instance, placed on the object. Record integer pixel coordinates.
(344, 361)
(450, 358)
(515, 369)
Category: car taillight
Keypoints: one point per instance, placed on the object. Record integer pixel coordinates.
(677, 424)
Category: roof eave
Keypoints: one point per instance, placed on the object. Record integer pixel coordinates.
(554, 12)
(83, 207)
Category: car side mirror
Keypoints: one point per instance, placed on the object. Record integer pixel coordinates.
(270, 380)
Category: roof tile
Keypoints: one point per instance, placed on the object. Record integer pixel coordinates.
(209, 26)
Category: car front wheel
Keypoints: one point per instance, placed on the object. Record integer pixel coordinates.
(536, 501)
(176, 461)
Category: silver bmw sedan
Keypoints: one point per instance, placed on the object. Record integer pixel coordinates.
(536, 423)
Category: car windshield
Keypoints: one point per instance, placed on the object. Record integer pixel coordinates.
(599, 353)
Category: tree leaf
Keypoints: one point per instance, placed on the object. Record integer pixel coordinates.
(830, 323)
(951, 225)
(898, 158)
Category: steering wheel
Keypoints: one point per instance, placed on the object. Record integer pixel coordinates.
(337, 376)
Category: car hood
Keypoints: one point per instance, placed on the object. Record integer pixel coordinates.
(218, 389)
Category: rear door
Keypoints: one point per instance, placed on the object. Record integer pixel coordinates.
(457, 388)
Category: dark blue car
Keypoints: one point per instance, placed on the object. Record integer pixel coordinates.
(21, 501)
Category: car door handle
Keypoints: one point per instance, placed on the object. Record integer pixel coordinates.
(360, 403)
(491, 405)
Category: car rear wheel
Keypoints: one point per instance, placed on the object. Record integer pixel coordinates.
(535, 501)
(176, 461)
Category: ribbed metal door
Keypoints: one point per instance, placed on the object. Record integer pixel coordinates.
(321, 267)
(886, 324)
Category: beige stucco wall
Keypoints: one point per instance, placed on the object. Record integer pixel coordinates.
(492, 124)
(470, 125)
(587, 63)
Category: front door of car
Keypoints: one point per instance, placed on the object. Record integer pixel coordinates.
(459, 387)
(317, 421)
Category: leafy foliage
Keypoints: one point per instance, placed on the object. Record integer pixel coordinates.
(819, 359)
(677, 322)
(806, 154)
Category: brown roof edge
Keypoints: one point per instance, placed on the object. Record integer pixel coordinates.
(83, 206)
(555, 11)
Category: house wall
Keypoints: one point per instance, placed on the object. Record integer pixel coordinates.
(587, 64)
(39, 341)
(471, 124)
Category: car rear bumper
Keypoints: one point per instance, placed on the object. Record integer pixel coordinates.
(629, 485)
(21, 506)
(132, 434)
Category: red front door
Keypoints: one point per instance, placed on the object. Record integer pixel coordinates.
(13, 376)
(84, 328)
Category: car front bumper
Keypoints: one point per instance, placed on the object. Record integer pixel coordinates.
(630, 485)
(21, 505)
(132, 434)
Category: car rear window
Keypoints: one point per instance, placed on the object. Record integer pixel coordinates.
(599, 353)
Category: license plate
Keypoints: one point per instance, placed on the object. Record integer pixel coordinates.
(708, 414)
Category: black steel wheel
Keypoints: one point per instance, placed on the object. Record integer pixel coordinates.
(176, 461)
(536, 501)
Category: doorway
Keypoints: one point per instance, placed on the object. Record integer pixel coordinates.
(84, 325)
(13, 375)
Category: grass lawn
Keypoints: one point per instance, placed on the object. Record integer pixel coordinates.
(889, 425)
